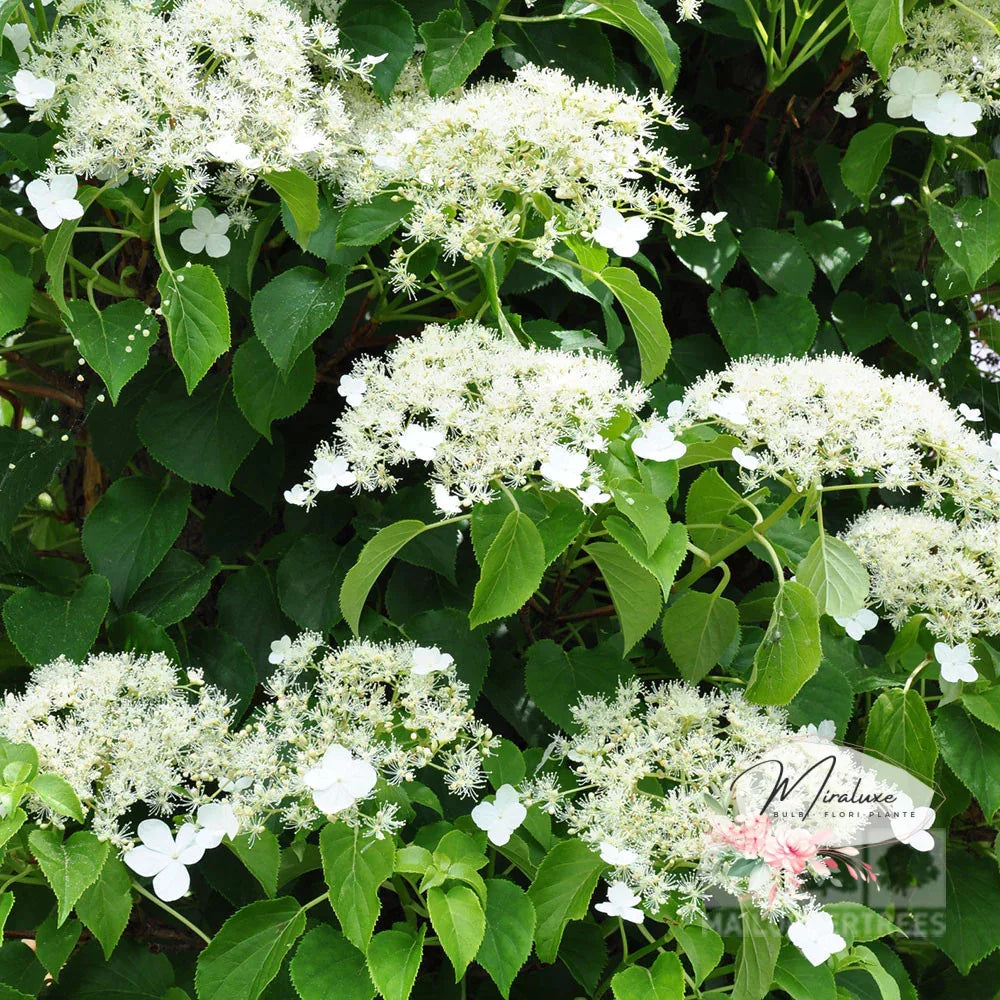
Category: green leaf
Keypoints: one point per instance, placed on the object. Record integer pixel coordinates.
(971, 750)
(863, 324)
(175, 587)
(327, 965)
(57, 244)
(835, 575)
(802, 980)
(131, 529)
(867, 154)
(757, 956)
(779, 259)
(634, 591)
(836, 250)
(697, 629)
(561, 892)
(710, 260)
(969, 233)
(664, 562)
(300, 194)
(53, 944)
(899, 729)
(776, 325)
(134, 973)
(113, 342)
(57, 793)
(510, 928)
(70, 867)
(645, 317)
(194, 307)
(663, 980)
(703, 947)
(459, 922)
(106, 905)
(452, 52)
(790, 652)
(354, 867)
(854, 922)
(374, 558)
(394, 961)
(202, 437)
(16, 291)
(247, 952)
(370, 223)
(27, 466)
(972, 900)
(44, 626)
(879, 27)
(377, 28)
(930, 338)
(646, 511)
(293, 309)
(225, 663)
(309, 579)
(261, 855)
(264, 394)
(984, 705)
(512, 570)
(641, 21)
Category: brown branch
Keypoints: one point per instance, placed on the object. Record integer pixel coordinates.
(46, 375)
(754, 115)
(576, 616)
(44, 391)
(17, 405)
(581, 590)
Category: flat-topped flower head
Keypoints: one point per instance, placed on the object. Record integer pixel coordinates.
(808, 420)
(922, 563)
(526, 162)
(481, 411)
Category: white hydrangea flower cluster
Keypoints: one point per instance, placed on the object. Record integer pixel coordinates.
(338, 721)
(919, 562)
(806, 420)
(527, 161)
(121, 729)
(958, 43)
(693, 743)
(215, 92)
(480, 409)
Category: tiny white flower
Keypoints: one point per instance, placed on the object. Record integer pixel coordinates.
(208, 234)
(911, 827)
(912, 92)
(824, 732)
(339, 780)
(4, 119)
(658, 444)
(281, 649)
(750, 462)
(973, 416)
(620, 857)
(215, 821)
(164, 857)
(228, 150)
(427, 659)
(352, 389)
(592, 496)
(713, 218)
(446, 502)
(596, 443)
(956, 662)
(619, 234)
(732, 409)
(950, 115)
(54, 200)
(621, 903)
(863, 620)
(30, 89)
(19, 37)
(845, 105)
(298, 496)
(564, 468)
(501, 817)
(420, 442)
(239, 785)
(329, 473)
(815, 937)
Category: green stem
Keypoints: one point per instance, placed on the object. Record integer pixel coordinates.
(169, 909)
